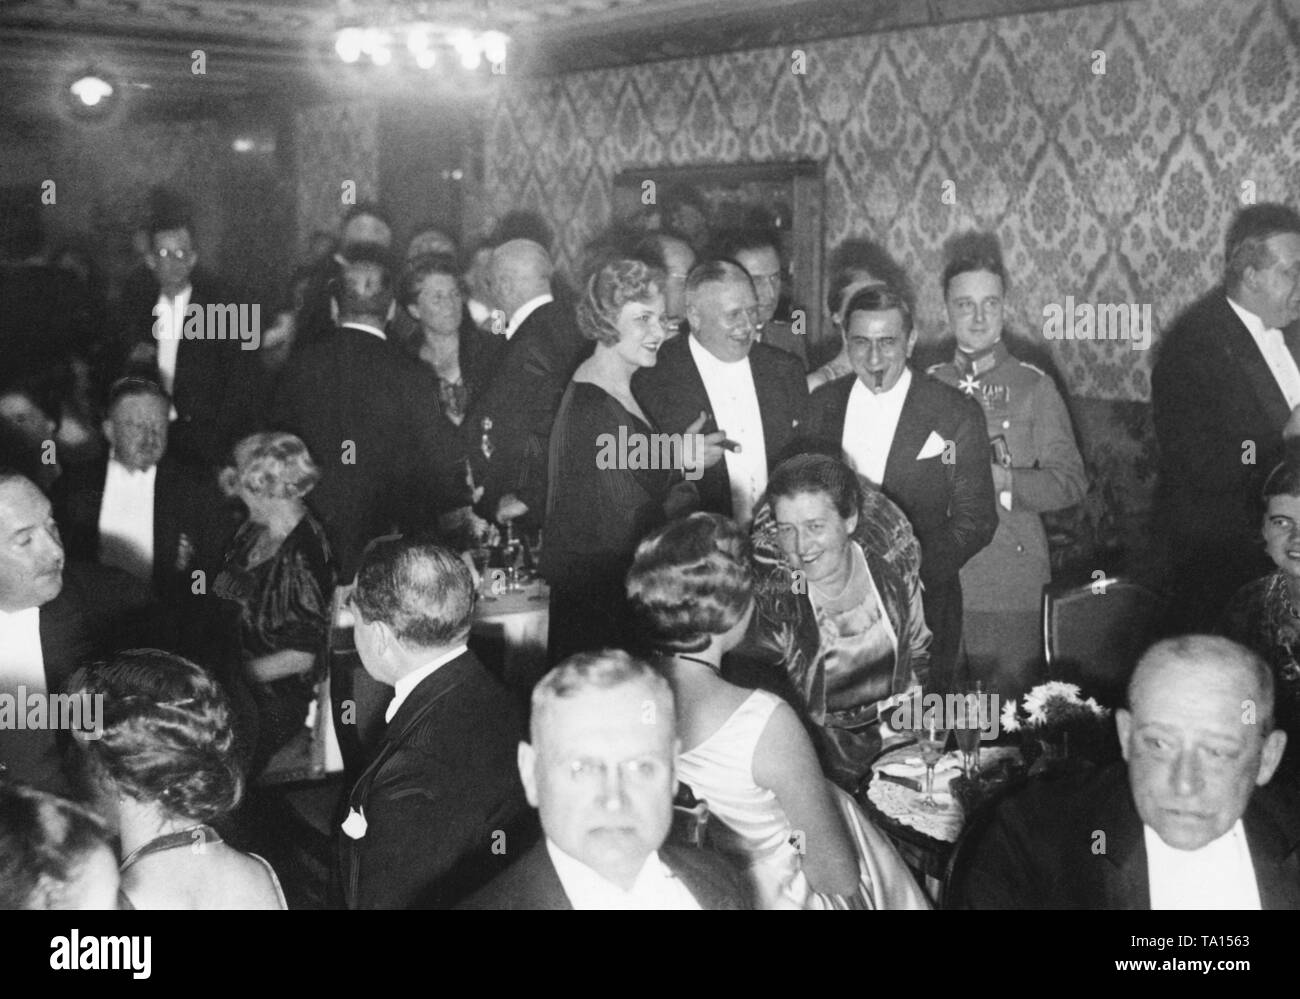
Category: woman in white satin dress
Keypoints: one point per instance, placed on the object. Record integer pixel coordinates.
(802, 841)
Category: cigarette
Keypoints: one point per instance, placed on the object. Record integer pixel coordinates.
(731, 446)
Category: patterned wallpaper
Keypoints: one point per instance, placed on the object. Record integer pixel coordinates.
(334, 143)
(1112, 187)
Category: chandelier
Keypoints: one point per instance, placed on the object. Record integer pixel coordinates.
(420, 36)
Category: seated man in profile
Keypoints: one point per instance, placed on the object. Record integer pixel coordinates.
(601, 771)
(1187, 823)
(435, 814)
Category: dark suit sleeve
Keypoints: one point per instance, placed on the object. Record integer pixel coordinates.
(972, 510)
(532, 413)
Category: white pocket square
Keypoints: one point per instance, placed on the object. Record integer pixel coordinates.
(933, 447)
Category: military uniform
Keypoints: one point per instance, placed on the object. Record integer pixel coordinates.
(1003, 583)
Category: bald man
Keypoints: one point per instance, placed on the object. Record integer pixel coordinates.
(1185, 823)
(507, 429)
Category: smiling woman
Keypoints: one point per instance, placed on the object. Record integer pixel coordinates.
(597, 511)
(839, 594)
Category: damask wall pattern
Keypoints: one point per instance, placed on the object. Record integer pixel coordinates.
(1107, 187)
(334, 143)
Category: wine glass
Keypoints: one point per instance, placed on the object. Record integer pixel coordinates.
(968, 725)
(931, 740)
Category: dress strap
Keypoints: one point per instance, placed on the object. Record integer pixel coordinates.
(201, 833)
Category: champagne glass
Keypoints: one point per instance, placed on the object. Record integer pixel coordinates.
(931, 740)
(968, 725)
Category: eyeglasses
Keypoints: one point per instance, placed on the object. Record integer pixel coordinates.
(966, 307)
(642, 770)
(439, 297)
(178, 255)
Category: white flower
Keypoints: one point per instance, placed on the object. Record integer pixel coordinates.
(1057, 688)
(1035, 702)
(1092, 705)
(1010, 722)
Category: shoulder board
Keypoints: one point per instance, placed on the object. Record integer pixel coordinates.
(1034, 368)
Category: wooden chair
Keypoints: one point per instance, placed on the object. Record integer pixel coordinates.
(1094, 632)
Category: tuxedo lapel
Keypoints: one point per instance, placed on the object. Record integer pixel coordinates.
(1242, 351)
(1124, 879)
(1273, 855)
(777, 419)
(914, 428)
(422, 700)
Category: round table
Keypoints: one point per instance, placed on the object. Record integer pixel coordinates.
(924, 838)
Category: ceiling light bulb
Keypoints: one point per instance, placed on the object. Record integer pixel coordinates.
(426, 59)
(381, 55)
(494, 46)
(471, 57)
(348, 44)
(90, 90)
(417, 41)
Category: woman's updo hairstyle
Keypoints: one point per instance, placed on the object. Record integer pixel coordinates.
(691, 580)
(609, 289)
(166, 734)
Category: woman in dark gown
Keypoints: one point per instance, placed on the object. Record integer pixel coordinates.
(608, 485)
(276, 583)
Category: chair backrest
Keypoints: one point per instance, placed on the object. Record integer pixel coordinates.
(1094, 632)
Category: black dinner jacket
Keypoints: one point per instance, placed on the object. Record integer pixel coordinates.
(1042, 849)
(99, 611)
(444, 806)
(952, 506)
(1211, 393)
(186, 503)
(673, 395)
(369, 415)
(219, 388)
(532, 883)
(521, 399)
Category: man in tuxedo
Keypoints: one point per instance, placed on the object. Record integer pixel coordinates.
(141, 509)
(672, 253)
(924, 444)
(1224, 383)
(1185, 823)
(601, 771)
(440, 810)
(507, 429)
(369, 415)
(52, 618)
(753, 396)
(215, 384)
(364, 224)
(758, 250)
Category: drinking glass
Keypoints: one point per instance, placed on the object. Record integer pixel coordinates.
(968, 724)
(931, 740)
(481, 557)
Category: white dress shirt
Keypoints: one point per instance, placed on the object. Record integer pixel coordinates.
(870, 421)
(29, 754)
(734, 400)
(1220, 875)
(1276, 354)
(655, 888)
(524, 311)
(367, 328)
(126, 519)
(402, 689)
(169, 324)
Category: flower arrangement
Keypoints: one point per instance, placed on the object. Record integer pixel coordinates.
(1051, 707)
